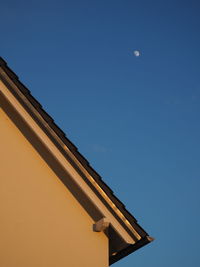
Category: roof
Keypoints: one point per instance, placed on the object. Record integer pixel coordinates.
(61, 137)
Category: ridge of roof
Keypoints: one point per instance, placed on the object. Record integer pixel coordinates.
(84, 162)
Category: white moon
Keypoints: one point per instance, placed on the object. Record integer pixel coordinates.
(136, 53)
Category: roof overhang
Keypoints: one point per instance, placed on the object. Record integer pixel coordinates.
(124, 234)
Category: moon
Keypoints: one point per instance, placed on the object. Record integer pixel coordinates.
(136, 53)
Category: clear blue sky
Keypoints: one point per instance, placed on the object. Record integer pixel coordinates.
(136, 119)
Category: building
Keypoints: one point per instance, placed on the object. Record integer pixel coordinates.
(55, 209)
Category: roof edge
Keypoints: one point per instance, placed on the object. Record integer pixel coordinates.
(84, 163)
(130, 249)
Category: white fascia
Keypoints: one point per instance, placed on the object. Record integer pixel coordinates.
(43, 137)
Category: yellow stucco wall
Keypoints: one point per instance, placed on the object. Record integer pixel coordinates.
(41, 223)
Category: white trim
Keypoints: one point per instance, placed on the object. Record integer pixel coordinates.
(66, 165)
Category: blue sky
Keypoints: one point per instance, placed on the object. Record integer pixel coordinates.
(136, 119)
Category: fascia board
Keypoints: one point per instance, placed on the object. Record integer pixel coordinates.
(125, 235)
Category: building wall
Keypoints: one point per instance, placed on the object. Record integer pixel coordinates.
(41, 223)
